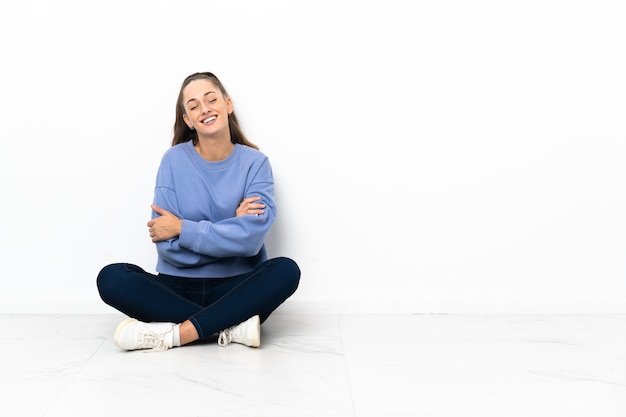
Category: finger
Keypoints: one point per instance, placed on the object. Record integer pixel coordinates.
(255, 208)
(158, 209)
(249, 200)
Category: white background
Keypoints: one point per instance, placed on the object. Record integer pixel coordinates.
(429, 156)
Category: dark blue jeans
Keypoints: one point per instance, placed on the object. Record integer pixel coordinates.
(211, 304)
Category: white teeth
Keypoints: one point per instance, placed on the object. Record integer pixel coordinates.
(210, 119)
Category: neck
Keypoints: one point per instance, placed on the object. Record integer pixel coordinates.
(214, 150)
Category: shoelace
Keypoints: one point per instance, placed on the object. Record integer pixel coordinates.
(152, 337)
(225, 338)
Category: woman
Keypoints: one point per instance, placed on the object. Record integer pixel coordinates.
(213, 207)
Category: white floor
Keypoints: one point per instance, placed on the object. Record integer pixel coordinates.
(323, 365)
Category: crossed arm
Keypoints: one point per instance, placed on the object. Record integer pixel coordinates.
(168, 226)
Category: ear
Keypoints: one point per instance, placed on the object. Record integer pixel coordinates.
(229, 105)
(187, 122)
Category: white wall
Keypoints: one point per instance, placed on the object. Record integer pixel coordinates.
(430, 156)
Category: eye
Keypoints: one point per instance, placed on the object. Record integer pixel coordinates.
(193, 108)
(213, 101)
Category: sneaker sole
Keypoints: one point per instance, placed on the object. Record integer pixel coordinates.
(119, 329)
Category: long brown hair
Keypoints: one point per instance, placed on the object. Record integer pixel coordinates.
(182, 132)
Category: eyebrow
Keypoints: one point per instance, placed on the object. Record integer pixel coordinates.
(205, 94)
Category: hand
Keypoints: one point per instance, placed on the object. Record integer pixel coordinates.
(248, 206)
(164, 227)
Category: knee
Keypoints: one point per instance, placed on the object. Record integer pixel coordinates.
(106, 280)
(291, 273)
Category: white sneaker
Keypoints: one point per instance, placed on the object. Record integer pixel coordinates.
(247, 333)
(132, 334)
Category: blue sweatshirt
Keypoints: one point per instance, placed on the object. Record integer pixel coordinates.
(213, 242)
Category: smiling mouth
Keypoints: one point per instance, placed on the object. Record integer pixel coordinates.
(209, 120)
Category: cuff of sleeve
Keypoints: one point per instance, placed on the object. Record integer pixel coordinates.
(188, 234)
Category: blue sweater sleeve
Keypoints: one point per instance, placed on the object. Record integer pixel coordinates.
(204, 241)
(170, 250)
(235, 236)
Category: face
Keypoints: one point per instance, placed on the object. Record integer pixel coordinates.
(206, 109)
